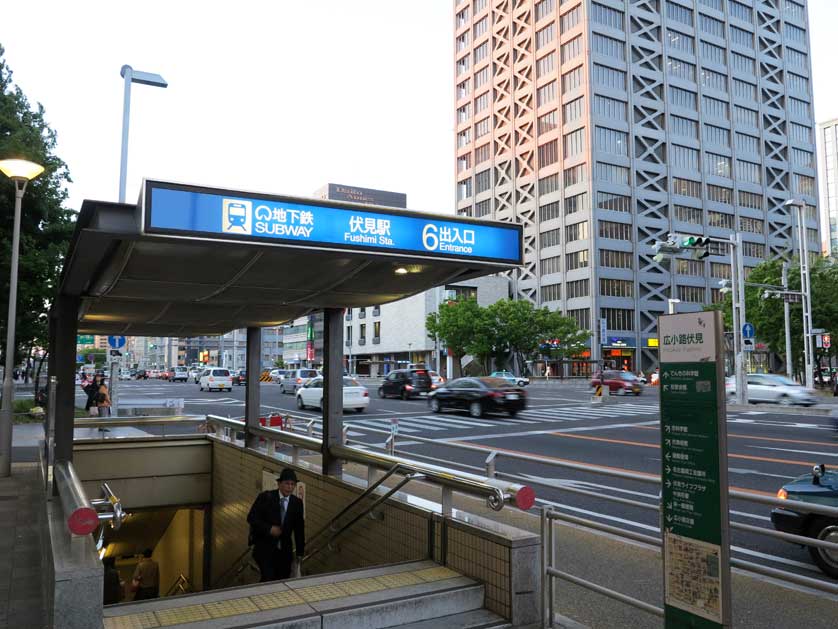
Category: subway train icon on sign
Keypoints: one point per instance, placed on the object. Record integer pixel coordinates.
(236, 216)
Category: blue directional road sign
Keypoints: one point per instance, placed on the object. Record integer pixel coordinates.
(748, 331)
(116, 341)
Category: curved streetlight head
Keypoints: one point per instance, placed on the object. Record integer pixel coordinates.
(20, 169)
(144, 78)
(794, 203)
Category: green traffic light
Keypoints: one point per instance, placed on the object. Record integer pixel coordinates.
(689, 241)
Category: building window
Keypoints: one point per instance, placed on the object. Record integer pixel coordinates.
(481, 27)
(684, 127)
(800, 132)
(683, 98)
(681, 42)
(545, 94)
(551, 292)
(576, 260)
(463, 89)
(572, 49)
(618, 318)
(800, 157)
(616, 288)
(740, 11)
(750, 200)
(482, 127)
(482, 77)
(744, 90)
(615, 231)
(376, 329)
(689, 267)
(463, 189)
(741, 37)
(800, 108)
(551, 265)
(463, 138)
(753, 249)
(693, 215)
(609, 77)
(716, 296)
(612, 201)
(483, 181)
(748, 171)
(603, 45)
(545, 65)
(577, 231)
(462, 18)
(544, 8)
(548, 153)
(677, 13)
(716, 165)
(572, 79)
(548, 184)
(686, 187)
(717, 136)
(610, 173)
(612, 18)
(692, 294)
(349, 334)
(362, 337)
(714, 107)
(463, 65)
(752, 225)
(616, 259)
(609, 108)
(795, 33)
(483, 208)
(794, 10)
(747, 144)
(711, 25)
(796, 59)
(574, 175)
(575, 204)
(462, 41)
(684, 157)
(582, 317)
(797, 83)
(713, 53)
(804, 184)
(550, 238)
(742, 64)
(577, 288)
(681, 69)
(719, 219)
(713, 80)
(545, 36)
(573, 110)
(571, 19)
(574, 143)
(481, 52)
(720, 270)
(482, 154)
(745, 116)
(549, 211)
(481, 102)
(547, 122)
(720, 194)
(611, 141)
(463, 162)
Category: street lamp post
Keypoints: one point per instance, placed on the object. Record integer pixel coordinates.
(672, 303)
(806, 290)
(21, 172)
(132, 76)
(787, 319)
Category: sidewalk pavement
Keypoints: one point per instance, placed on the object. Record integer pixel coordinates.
(22, 601)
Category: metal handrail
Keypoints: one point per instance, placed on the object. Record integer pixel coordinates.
(162, 420)
(83, 515)
(181, 584)
(404, 481)
(235, 569)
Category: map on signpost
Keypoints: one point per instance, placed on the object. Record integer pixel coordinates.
(693, 580)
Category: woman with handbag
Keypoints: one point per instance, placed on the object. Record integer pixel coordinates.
(103, 399)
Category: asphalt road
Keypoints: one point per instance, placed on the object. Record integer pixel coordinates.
(766, 448)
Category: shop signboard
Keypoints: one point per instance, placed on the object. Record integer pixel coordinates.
(694, 471)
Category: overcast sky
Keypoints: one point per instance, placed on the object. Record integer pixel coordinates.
(279, 96)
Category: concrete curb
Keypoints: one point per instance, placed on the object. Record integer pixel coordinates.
(784, 410)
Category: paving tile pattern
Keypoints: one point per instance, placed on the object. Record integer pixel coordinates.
(21, 519)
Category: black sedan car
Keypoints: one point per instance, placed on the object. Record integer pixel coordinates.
(478, 396)
(240, 377)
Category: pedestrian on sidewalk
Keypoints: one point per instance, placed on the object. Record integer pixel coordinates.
(91, 389)
(277, 528)
(146, 580)
(112, 585)
(103, 399)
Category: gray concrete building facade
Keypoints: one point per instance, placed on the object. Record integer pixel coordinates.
(828, 163)
(604, 125)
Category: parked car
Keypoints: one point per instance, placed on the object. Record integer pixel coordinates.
(295, 378)
(141, 374)
(479, 396)
(510, 377)
(179, 374)
(618, 382)
(819, 487)
(436, 380)
(216, 378)
(355, 395)
(240, 377)
(773, 388)
(153, 373)
(406, 383)
(124, 374)
(277, 375)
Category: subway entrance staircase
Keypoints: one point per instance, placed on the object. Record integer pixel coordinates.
(418, 595)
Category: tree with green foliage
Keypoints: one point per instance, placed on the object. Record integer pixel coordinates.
(455, 325)
(46, 226)
(569, 339)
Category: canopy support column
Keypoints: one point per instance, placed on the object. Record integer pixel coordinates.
(332, 388)
(252, 397)
(63, 367)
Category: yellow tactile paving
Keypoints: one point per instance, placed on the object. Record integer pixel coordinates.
(182, 615)
(316, 593)
(398, 580)
(436, 574)
(362, 586)
(144, 620)
(231, 607)
(275, 600)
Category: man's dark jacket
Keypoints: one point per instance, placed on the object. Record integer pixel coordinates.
(265, 513)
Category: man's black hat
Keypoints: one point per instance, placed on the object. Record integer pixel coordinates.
(287, 474)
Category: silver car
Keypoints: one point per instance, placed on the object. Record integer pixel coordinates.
(775, 389)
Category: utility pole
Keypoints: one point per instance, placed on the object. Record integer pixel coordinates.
(787, 319)
(806, 290)
(739, 290)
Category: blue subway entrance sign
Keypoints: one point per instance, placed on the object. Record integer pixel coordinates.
(696, 533)
(189, 211)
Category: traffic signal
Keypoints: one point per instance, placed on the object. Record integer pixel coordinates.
(726, 286)
(699, 244)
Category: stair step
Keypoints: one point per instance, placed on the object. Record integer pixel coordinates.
(475, 619)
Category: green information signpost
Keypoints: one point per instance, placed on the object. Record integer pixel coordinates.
(694, 471)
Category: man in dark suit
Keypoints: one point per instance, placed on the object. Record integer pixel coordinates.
(277, 528)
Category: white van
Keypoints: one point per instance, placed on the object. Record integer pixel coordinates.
(216, 378)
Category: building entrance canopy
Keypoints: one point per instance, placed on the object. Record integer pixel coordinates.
(192, 261)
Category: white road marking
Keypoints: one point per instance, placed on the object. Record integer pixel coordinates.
(832, 454)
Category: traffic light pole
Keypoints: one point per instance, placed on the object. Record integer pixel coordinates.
(806, 290)
(787, 319)
(738, 299)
